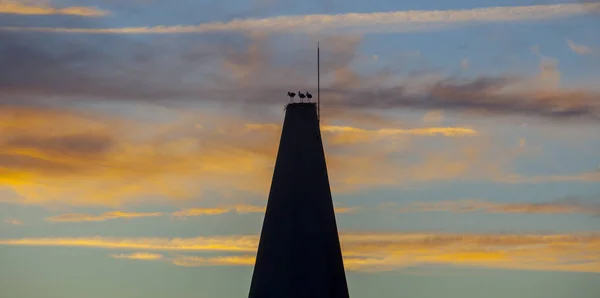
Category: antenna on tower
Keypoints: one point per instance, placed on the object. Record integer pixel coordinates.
(318, 85)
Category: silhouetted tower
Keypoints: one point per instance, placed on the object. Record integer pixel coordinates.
(299, 253)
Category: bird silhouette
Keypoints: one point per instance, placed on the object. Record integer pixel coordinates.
(308, 95)
(301, 95)
(291, 95)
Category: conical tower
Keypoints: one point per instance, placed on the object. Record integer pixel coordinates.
(299, 253)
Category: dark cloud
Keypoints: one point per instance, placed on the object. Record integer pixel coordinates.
(250, 71)
(28, 163)
(81, 144)
(482, 95)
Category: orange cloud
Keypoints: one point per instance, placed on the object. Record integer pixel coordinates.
(241, 209)
(82, 159)
(379, 251)
(42, 8)
(348, 135)
(138, 256)
(55, 156)
(195, 261)
(201, 211)
(78, 217)
(567, 207)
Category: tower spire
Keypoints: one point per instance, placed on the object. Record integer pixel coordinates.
(299, 253)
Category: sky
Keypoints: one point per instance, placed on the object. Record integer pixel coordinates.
(138, 140)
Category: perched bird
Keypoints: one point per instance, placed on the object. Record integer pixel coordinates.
(301, 95)
(291, 95)
(308, 95)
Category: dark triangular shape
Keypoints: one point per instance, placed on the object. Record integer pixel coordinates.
(299, 252)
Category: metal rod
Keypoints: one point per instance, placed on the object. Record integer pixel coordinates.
(318, 85)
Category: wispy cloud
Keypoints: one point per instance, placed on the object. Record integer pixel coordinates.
(138, 256)
(241, 209)
(118, 161)
(428, 131)
(12, 221)
(580, 49)
(201, 211)
(347, 134)
(231, 244)
(397, 21)
(79, 217)
(375, 251)
(191, 212)
(570, 206)
(195, 261)
(21, 7)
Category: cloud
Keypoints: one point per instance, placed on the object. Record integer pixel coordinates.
(235, 244)
(397, 21)
(240, 209)
(579, 48)
(108, 69)
(348, 134)
(570, 206)
(191, 212)
(516, 178)
(12, 221)
(195, 261)
(200, 211)
(377, 251)
(486, 96)
(43, 152)
(120, 161)
(21, 7)
(138, 256)
(119, 155)
(383, 132)
(78, 217)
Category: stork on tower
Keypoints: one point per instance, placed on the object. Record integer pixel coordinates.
(301, 95)
(291, 95)
(308, 95)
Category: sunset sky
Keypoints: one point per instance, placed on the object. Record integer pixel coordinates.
(138, 139)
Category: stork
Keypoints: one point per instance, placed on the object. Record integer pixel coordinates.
(308, 95)
(301, 95)
(291, 95)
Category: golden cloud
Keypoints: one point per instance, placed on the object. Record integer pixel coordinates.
(377, 251)
(239, 208)
(475, 205)
(78, 217)
(138, 256)
(55, 156)
(86, 159)
(348, 135)
(195, 261)
(42, 8)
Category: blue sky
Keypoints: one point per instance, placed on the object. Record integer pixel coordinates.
(138, 138)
